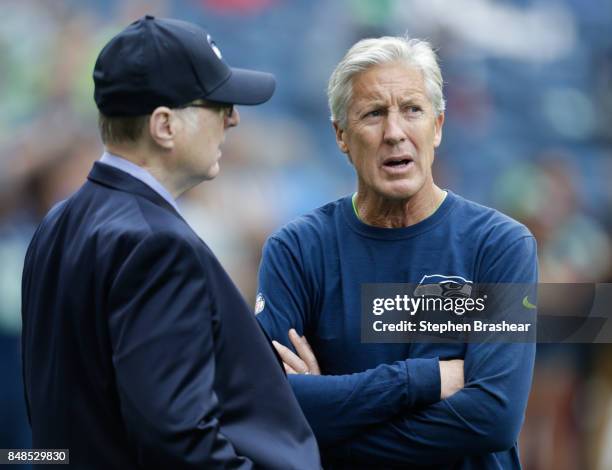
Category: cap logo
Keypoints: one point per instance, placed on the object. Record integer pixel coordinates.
(214, 47)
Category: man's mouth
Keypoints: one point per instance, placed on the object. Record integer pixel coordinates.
(397, 163)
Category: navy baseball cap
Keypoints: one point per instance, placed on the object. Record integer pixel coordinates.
(166, 62)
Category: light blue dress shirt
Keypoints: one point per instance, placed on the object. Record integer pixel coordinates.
(139, 173)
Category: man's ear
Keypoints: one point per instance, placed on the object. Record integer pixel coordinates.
(340, 136)
(163, 127)
(439, 122)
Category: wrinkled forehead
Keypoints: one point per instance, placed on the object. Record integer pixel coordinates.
(388, 81)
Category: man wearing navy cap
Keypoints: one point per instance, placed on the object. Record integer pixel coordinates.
(138, 350)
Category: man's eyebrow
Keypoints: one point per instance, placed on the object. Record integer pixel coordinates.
(411, 102)
(413, 97)
(370, 103)
(409, 97)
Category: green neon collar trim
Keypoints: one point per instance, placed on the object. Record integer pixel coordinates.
(354, 199)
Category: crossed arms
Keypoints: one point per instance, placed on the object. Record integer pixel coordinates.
(342, 408)
(472, 419)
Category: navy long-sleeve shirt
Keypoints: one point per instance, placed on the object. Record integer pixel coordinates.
(380, 403)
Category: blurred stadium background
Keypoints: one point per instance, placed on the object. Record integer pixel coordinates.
(528, 131)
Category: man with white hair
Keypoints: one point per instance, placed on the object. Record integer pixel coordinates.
(447, 405)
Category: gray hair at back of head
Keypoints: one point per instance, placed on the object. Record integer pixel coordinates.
(130, 129)
(370, 52)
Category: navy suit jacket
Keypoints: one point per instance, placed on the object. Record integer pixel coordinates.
(139, 351)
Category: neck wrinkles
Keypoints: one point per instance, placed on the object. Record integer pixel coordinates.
(381, 212)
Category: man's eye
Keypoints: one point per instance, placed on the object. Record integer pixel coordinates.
(374, 113)
(413, 109)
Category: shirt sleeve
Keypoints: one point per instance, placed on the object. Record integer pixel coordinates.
(485, 416)
(336, 406)
(161, 329)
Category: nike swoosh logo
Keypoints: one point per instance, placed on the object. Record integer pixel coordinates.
(527, 304)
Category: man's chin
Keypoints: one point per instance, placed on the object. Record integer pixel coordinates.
(212, 172)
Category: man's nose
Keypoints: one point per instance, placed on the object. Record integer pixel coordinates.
(233, 119)
(394, 132)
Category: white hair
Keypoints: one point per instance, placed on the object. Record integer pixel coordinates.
(370, 52)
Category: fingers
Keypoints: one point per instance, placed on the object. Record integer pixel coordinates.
(304, 362)
(290, 360)
(305, 352)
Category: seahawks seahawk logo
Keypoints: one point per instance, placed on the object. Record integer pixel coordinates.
(437, 285)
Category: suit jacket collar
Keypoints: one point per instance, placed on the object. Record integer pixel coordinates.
(114, 178)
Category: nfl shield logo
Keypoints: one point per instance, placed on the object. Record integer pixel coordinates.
(260, 303)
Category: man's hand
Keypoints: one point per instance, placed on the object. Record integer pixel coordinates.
(305, 363)
(451, 377)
